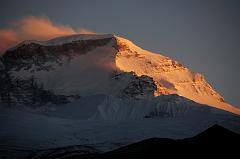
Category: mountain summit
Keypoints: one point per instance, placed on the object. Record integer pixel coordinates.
(67, 68)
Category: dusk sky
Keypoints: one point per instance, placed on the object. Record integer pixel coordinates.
(204, 35)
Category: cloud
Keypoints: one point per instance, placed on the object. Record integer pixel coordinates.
(34, 28)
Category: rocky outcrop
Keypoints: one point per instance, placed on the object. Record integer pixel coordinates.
(37, 57)
(140, 86)
(27, 92)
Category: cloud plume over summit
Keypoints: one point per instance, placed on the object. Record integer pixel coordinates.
(34, 28)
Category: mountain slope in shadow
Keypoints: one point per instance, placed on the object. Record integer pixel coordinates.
(215, 141)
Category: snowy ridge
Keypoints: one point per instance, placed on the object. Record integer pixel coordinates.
(72, 38)
(65, 39)
(164, 106)
(102, 107)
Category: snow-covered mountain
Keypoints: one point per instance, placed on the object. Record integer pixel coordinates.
(101, 92)
(65, 69)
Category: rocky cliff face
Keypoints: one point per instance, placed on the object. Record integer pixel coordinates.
(64, 69)
(36, 57)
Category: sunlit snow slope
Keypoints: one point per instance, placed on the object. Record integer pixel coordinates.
(169, 76)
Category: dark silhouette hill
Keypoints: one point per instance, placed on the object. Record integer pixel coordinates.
(215, 141)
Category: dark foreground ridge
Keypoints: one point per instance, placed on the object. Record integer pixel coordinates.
(214, 141)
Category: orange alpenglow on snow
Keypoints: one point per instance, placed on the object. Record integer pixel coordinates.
(169, 76)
